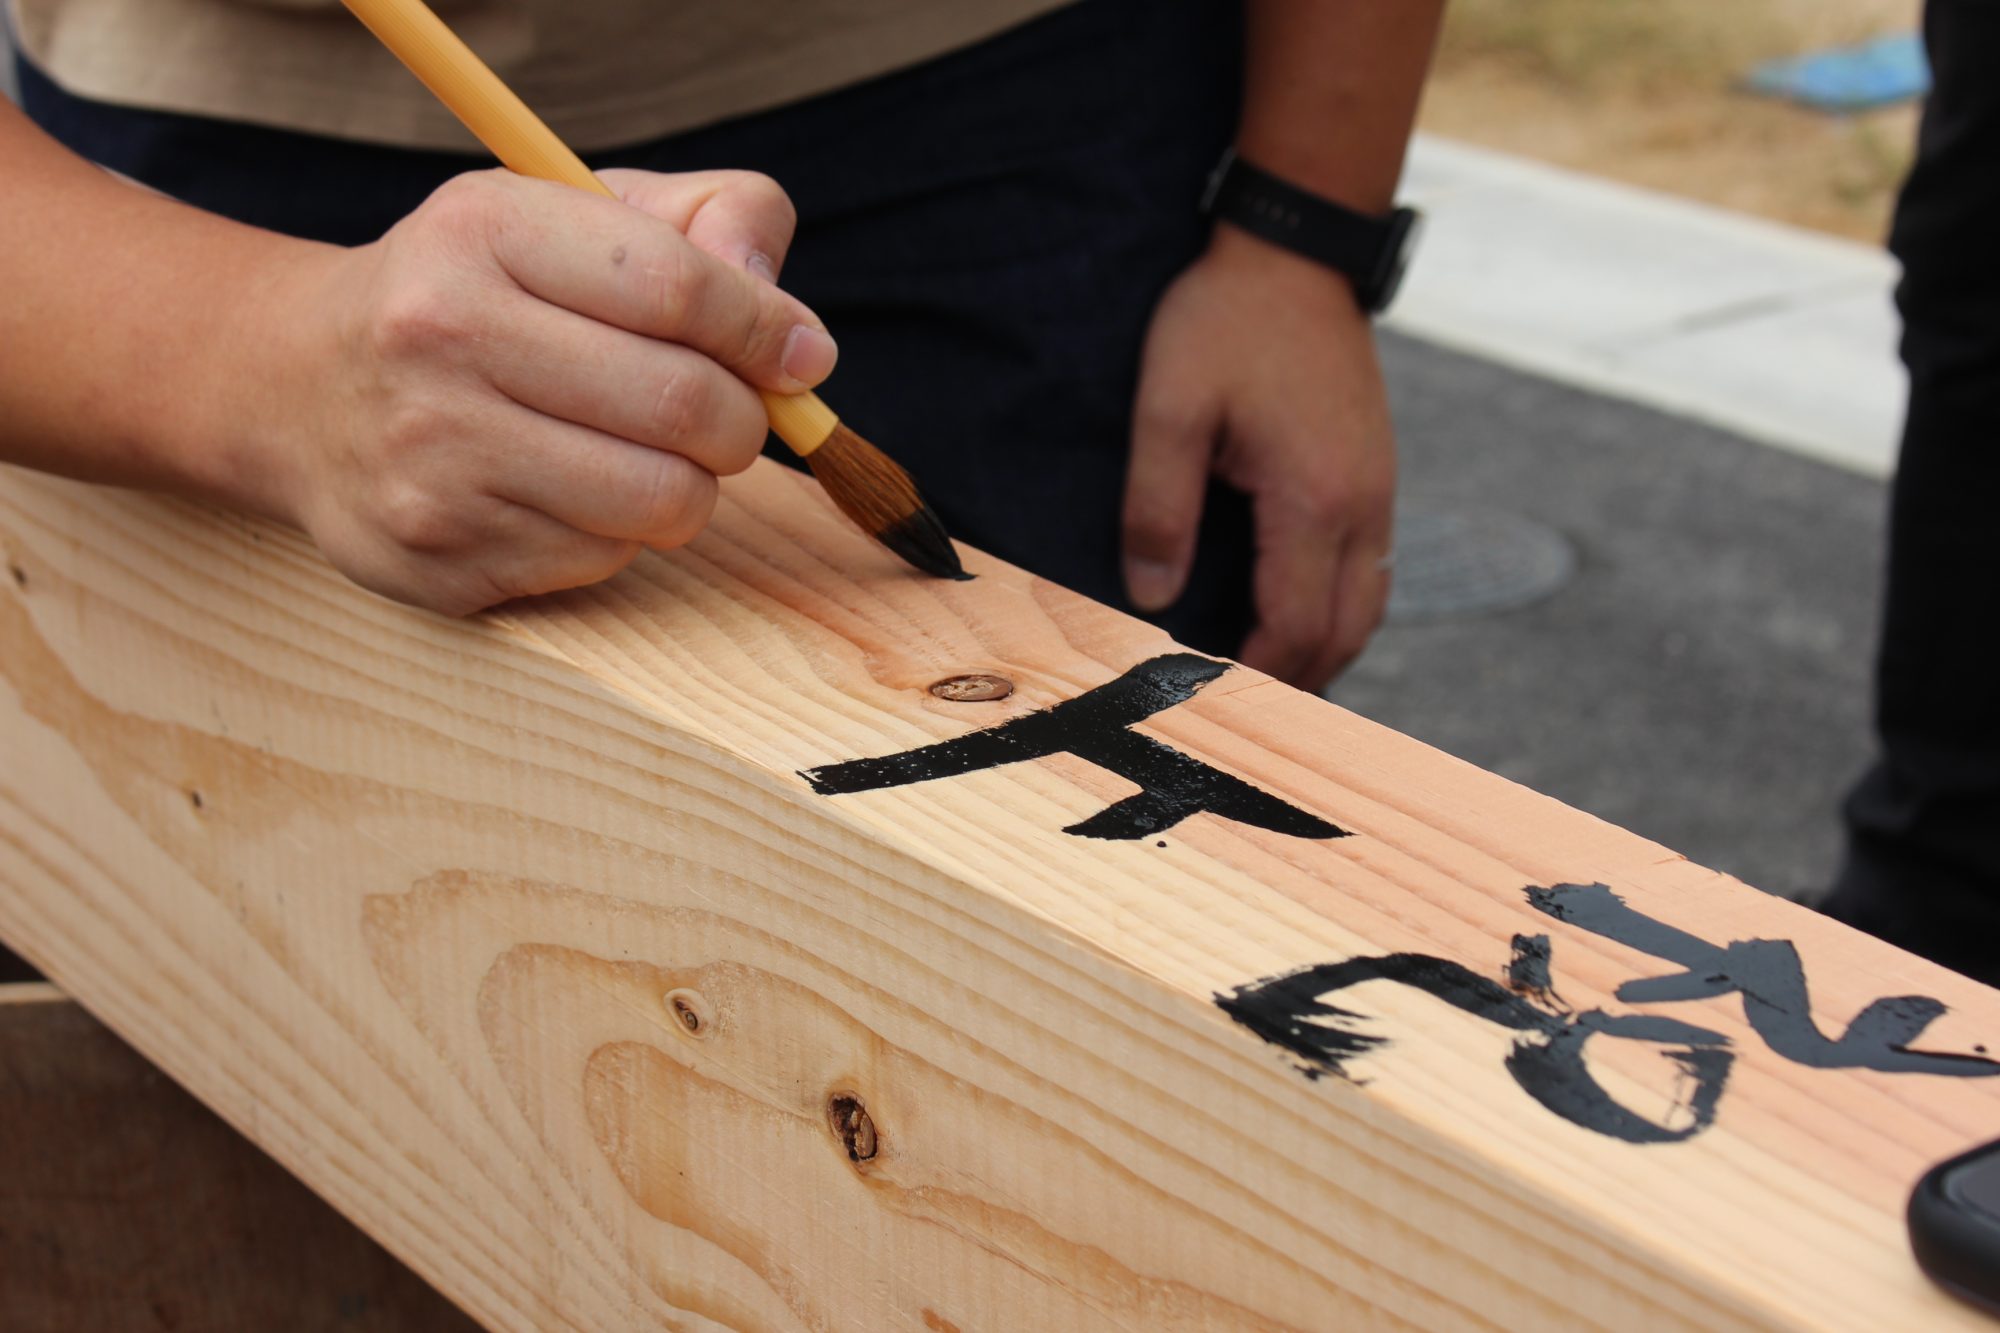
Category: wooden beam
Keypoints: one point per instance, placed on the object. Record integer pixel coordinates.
(126, 1205)
(614, 961)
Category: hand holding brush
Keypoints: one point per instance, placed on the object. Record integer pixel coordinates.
(867, 486)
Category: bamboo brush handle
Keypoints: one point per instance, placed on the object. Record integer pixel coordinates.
(517, 136)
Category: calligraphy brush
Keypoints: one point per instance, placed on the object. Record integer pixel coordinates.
(865, 482)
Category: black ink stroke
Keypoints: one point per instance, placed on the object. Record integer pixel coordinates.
(1528, 969)
(1547, 1060)
(1097, 726)
(1772, 981)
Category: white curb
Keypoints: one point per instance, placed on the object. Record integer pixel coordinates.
(1780, 334)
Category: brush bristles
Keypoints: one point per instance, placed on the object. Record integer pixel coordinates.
(880, 497)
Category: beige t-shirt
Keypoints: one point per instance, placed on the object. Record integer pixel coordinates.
(601, 72)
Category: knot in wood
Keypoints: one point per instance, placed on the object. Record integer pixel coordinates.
(852, 1125)
(690, 1010)
(973, 689)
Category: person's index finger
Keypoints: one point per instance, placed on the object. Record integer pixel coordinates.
(616, 264)
(743, 218)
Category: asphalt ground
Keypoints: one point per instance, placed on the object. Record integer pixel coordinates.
(1702, 676)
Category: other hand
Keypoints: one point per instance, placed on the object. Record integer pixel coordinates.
(1260, 369)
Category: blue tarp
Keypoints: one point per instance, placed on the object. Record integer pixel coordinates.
(1849, 78)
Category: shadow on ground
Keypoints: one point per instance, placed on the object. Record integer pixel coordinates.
(1702, 677)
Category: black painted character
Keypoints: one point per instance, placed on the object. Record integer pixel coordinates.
(1548, 1059)
(1098, 726)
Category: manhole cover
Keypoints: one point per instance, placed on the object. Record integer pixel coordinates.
(1452, 563)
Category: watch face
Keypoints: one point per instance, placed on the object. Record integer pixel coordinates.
(1401, 249)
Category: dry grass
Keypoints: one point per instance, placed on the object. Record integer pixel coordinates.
(1645, 90)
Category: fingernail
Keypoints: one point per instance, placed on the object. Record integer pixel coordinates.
(809, 354)
(760, 265)
(1150, 584)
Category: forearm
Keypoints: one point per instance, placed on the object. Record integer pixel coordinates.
(1331, 90)
(142, 335)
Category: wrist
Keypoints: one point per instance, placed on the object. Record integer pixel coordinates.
(261, 377)
(1371, 250)
(1252, 260)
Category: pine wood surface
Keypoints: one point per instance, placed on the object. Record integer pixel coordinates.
(410, 902)
(127, 1207)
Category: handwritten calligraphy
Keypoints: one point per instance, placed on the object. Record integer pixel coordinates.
(1097, 726)
(1547, 1060)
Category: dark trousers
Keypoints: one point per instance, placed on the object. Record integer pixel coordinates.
(1923, 865)
(986, 234)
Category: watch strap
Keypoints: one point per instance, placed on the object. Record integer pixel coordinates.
(1367, 249)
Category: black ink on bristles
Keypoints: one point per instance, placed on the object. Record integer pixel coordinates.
(922, 540)
(880, 497)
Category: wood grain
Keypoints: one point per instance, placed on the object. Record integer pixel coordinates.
(523, 941)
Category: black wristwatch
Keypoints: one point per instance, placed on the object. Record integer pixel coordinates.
(1374, 252)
